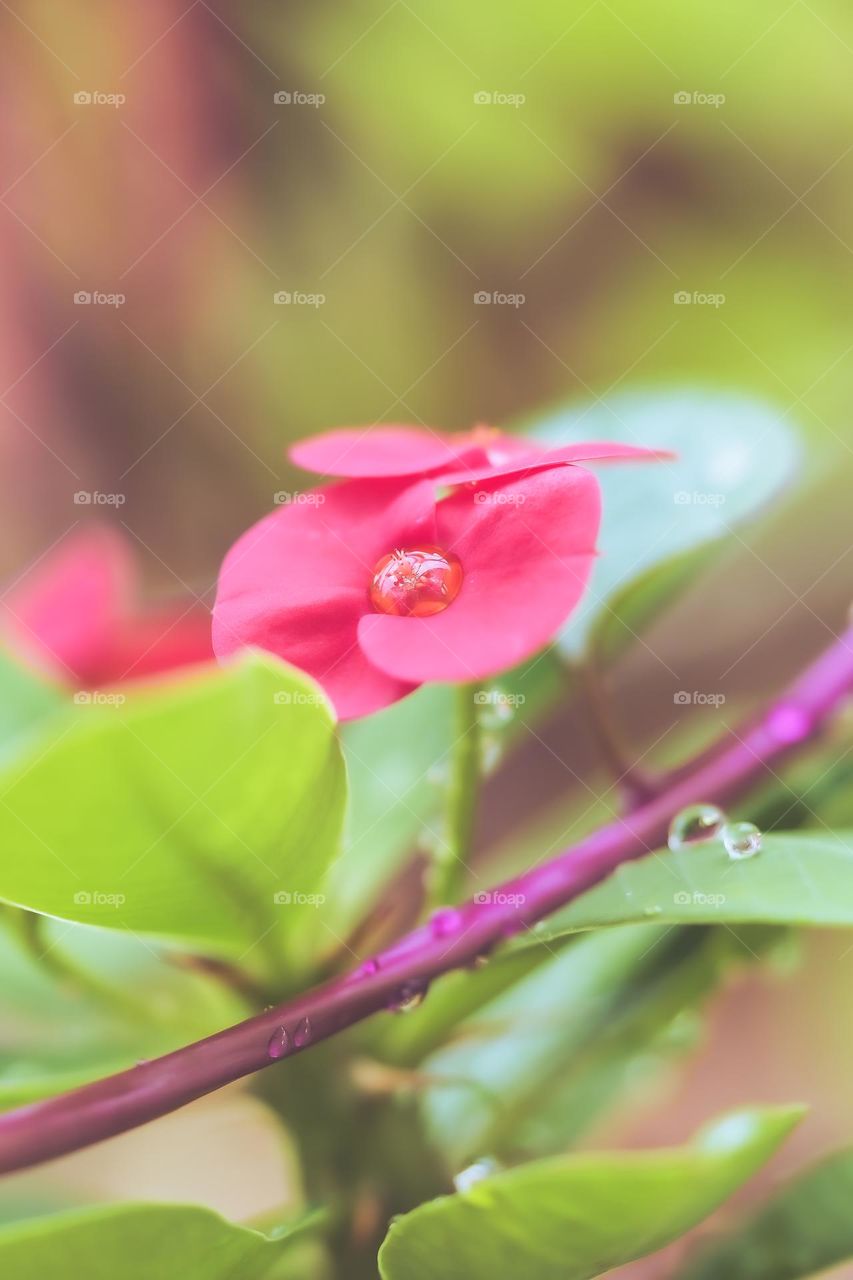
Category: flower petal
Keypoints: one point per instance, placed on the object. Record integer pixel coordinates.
(378, 451)
(527, 547)
(297, 582)
(535, 458)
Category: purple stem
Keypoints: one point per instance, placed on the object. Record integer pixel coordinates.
(454, 938)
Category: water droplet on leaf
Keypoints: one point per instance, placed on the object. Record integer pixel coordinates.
(741, 839)
(696, 824)
(279, 1044)
(415, 583)
(410, 995)
(302, 1033)
(476, 1172)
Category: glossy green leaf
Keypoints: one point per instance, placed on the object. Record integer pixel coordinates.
(803, 877)
(734, 453)
(138, 1242)
(573, 1217)
(180, 809)
(25, 703)
(806, 1228)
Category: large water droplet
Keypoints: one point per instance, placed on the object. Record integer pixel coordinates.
(302, 1033)
(409, 995)
(741, 839)
(695, 825)
(279, 1044)
(416, 582)
(445, 921)
(476, 1172)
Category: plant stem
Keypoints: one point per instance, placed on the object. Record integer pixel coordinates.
(73, 1120)
(450, 865)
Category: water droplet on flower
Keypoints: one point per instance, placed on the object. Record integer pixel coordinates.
(445, 921)
(695, 825)
(742, 839)
(476, 1172)
(302, 1033)
(279, 1044)
(409, 995)
(415, 583)
(789, 723)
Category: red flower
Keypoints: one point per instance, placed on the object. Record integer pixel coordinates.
(375, 452)
(78, 616)
(374, 586)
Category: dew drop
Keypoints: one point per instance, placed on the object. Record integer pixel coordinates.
(410, 995)
(416, 582)
(696, 824)
(279, 1044)
(445, 921)
(476, 1172)
(302, 1033)
(741, 839)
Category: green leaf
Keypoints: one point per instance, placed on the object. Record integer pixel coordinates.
(804, 877)
(181, 810)
(805, 1228)
(138, 1242)
(25, 703)
(734, 453)
(576, 1216)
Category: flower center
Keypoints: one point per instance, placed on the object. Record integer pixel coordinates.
(416, 582)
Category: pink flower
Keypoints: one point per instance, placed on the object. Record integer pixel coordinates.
(378, 451)
(78, 616)
(375, 586)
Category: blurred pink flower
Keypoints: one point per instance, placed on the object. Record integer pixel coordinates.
(78, 617)
(375, 452)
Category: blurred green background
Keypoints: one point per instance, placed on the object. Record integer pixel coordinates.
(383, 197)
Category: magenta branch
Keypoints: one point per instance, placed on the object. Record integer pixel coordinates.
(454, 938)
